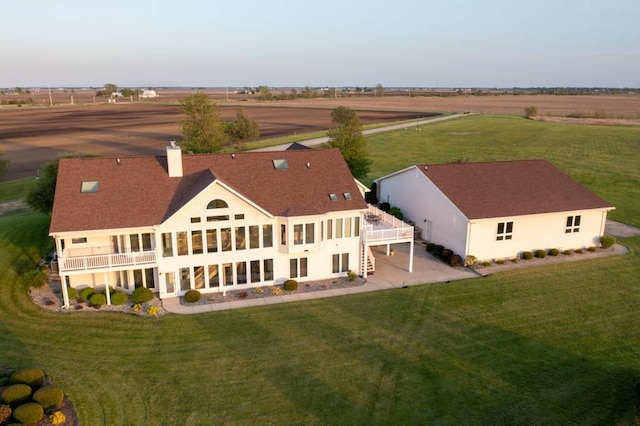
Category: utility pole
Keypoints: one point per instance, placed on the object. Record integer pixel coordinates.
(50, 98)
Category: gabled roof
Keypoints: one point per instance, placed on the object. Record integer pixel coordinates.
(139, 192)
(510, 188)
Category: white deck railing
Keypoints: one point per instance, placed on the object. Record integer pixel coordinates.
(381, 226)
(79, 263)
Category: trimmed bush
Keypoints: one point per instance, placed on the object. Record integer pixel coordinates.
(446, 255)
(541, 254)
(73, 293)
(456, 260)
(49, 396)
(29, 413)
(579, 251)
(98, 299)
(527, 255)
(119, 298)
(16, 394)
(142, 295)
(395, 211)
(437, 250)
(607, 241)
(567, 252)
(554, 252)
(499, 261)
(591, 249)
(192, 296)
(385, 207)
(33, 377)
(471, 261)
(430, 247)
(290, 285)
(5, 413)
(86, 293)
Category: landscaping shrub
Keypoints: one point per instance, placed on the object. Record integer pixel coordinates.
(275, 291)
(35, 278)
(29, 413)
(567, 252)
(430, 247)
(385, 207)
(49, 396)
(192, 296)
(446, 255)
(541, 254)
(554, 252)
(258, 290)
(290, 285)
(395, 211)
(437, 250)
(514, 260)
(119, 298)
(242, 295)
(530, 112)
(73, 293)
(471, 261)
(352, 275)
(456, 260)
(143, 294)
(607, 241)
(579, 251)
(86, 293)
(16, 394)
(591, 249)
(33, 377)
(57, 418)
(500, 262)
(5, 413)
(98, 299)
(485, 263)
(527, 255)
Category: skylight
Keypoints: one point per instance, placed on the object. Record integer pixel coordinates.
(347, 195)
(333, 197)
(280, 164)
(89, 186)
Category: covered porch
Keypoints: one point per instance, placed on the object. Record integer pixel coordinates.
(382, 229)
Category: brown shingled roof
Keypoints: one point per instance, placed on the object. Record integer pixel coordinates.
(510, 188)
(139, 192)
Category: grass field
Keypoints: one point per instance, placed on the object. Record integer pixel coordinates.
(551, 345)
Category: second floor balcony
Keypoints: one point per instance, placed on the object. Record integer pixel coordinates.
(92, 258)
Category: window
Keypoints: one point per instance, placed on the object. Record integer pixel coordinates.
(227, 269)
(280, 164)
(183, 245)
(309, 230)
(214, 278)
(293, 268)
(146, 242)
(329, 229)
(505, 231)
(573, 224)
(196, 242)
(185, 279)
(217, 218)
(217, 204)
(297, 234)
(82, 240)
(135, 242)
(198, 276)
(356, 226)
(238, 216)
(149, 278)
(171, 282)
(338, 228)
(283, 235)
(335, 266)
(240, 238)
(267, 235)
(347, 227)
(340, 263)
(345, 262)
(225, 239)
(298, 267)
(167, 245)
(268, 269)
(321, 230)
(255, 271)
(137, 278)
(212, 241)
(254, 237)
(303, 266)
(89, 186)
(241, 272)
(196, 220)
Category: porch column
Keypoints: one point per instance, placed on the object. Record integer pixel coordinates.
(365, 249)
(106, 288)
(411, 257)
(65, 293)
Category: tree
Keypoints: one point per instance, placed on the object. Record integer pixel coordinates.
(242, 129)
(201, 128)
(4, 163)
(531, 112)
(264, 93)
(346, 135)
(40, 197)
(379, 90)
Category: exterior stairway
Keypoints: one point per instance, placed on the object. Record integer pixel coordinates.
(371, 261)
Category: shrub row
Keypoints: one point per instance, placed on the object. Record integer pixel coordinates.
(445, 254)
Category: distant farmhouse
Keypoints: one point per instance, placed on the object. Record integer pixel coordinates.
(149, 94)
(214, 222)
(497, 210)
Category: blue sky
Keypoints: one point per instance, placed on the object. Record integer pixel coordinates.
(445, 43)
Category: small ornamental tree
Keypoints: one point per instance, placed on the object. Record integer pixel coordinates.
(201, 128)
(607, 241)
(346, 135)
(242, 129)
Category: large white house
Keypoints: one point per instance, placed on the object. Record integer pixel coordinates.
(213, 222)
(497, 210)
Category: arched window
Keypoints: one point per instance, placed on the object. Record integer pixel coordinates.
(217, 204)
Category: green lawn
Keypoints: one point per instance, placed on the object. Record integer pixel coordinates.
(551, 345)
(15, 189)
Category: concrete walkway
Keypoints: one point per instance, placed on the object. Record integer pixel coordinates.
(413, 124)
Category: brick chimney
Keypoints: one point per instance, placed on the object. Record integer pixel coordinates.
(174, 160)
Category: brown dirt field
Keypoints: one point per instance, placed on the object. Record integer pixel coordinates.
(32, 136)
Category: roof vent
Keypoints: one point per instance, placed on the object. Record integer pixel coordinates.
(173, 144)
(308, 165)
(233, 156)
(118, 161)
(425, 168)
